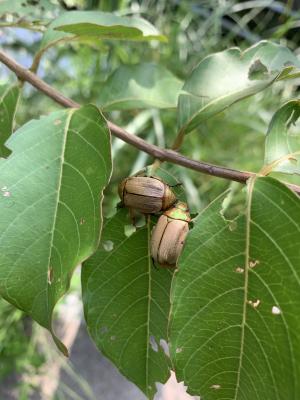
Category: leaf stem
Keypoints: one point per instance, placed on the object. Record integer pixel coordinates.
(267, 169)
(178, 140)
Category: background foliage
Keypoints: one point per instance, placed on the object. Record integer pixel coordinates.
(234, 138)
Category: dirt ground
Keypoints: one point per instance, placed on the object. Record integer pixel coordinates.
(90, 376)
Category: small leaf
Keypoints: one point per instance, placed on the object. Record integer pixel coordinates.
(283, 139)
(144, 85)
(222, 79)
(126, 304)
(9, 96)
(50, 205)
(236, 298)
(74, 25)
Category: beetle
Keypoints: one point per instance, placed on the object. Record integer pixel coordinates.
(168, 235)
(149, 195)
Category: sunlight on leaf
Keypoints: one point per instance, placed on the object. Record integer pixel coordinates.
(126, 304)
(9, 96)
(283, 139)
(236, 296)
(74, 25)
(144, 85)
(50, 200)
(223, 78)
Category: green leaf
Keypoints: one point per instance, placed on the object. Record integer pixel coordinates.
(222, 79)
(283, 139)
(144, 85)
(74, 25)
(9, 96)
(50, 205)
(26, 13)
(126, 304)
(23, 8)
(236, 298)
(168, 173)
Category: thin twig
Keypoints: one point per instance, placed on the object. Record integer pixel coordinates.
(155, 151)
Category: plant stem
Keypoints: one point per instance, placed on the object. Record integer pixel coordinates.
(178, 141)
(155, 151)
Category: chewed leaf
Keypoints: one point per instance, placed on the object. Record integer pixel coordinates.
(234, 330)
(282, 147)
(50, 205)
(223, 78)
(126, 304)
(258, 70)
(9, 96)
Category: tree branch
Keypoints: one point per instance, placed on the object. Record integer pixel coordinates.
(155, 151)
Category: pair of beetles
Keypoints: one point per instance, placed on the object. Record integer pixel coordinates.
(150, 195)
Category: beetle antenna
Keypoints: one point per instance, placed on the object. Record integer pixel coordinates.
(132, 216)
(153, 264)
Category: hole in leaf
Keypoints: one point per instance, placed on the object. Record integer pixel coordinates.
(153, 343)
(164, 345)
(254, 303)
(172, 390)
(108, 245)
(50, 275)
(257, 71)
(216, 387)
(233, 205)
(276, 310)
(239, 270)
(129, 230)
(253, 263)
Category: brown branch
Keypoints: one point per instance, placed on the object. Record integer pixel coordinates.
(155, 151)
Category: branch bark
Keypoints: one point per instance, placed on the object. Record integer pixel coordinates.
(162, 154)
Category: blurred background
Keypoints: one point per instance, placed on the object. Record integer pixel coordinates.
(30, 367)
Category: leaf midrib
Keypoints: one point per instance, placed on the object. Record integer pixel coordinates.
(58, 191)
(221, 98)
(246, 281)
(148, 309)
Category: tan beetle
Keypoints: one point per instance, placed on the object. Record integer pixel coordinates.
(169, 234)
(149, 195)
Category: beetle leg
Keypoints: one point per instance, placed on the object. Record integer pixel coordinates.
(153, 263)
(132, 216)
